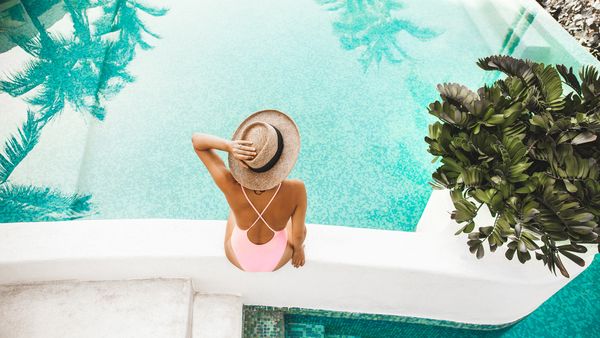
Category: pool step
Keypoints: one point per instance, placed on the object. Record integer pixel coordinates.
(299, 330)
(264, 323)
(307, 330)
(131, 308)
(217, 316)
(507, 28)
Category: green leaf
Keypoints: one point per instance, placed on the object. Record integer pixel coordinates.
(486, 231)
(521, 246)
(540, 121)
(480, 252)
(584, 137)
(467, 228)
(496, 119)
(523, 256)
(570, 186)
(457, 94)
(510, 253)
(569, 77)
(510, 66)
(550, 86)
(576, 259)
(583, 217)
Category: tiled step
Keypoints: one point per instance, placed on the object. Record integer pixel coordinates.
(263, 323)
(156, 308)
(302, 330)
(217, 316)
(501, 22)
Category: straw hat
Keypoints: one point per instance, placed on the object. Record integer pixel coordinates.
(277, 141)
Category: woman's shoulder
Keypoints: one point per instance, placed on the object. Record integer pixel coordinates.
(297, 187)
(294, 182)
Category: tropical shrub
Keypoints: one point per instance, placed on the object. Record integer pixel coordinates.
(529, 152)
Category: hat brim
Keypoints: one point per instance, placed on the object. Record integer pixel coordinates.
(291, 147)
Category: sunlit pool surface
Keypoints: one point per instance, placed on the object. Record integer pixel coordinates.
(117, 89)
(356, 76)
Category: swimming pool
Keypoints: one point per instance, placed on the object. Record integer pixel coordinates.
(356, 77)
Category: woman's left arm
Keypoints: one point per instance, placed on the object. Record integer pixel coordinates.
(204, 145)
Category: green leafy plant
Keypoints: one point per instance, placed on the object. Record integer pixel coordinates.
(529, 152)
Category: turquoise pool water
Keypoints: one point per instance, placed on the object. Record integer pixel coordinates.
(356, 76)
(117, 88)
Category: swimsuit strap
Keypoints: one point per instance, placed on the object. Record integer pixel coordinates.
(265, 209)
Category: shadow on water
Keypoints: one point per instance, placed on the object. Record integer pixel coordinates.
(81, 69)
(370, 26)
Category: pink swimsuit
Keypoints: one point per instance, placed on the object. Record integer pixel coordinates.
(258, 257)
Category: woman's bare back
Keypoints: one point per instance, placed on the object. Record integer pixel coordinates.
(277, 215)
(287, 210)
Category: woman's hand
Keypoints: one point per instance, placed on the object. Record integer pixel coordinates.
(298, 257)
(242, 150)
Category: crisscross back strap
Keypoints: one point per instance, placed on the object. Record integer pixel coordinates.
(265, 209)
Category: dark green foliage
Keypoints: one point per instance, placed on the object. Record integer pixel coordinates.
(529, 152)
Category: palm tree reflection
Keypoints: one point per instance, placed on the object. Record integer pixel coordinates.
(82, 69)
(370, 26)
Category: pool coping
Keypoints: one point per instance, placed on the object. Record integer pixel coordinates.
(361, 270)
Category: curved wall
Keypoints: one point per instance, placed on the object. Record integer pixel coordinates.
(427, 274)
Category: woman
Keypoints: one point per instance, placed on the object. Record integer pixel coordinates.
(265, 228)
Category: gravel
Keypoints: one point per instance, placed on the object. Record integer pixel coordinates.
(581, 18)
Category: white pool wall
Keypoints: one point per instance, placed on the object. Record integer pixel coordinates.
(426, 274)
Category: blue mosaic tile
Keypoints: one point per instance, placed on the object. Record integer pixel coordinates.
(304, 330)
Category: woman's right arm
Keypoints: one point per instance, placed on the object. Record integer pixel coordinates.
(299, 227)
(204, 145)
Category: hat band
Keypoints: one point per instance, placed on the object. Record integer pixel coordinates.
(275, 157)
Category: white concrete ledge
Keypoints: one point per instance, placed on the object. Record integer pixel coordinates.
(142, 308)
(428, 274)
(217, 316)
